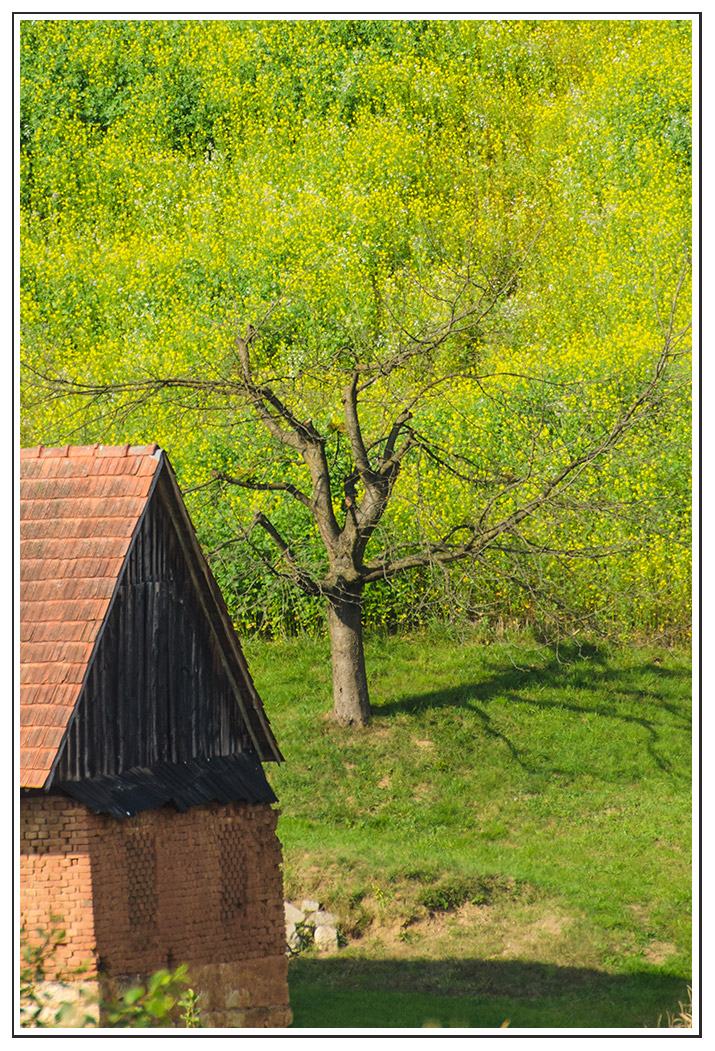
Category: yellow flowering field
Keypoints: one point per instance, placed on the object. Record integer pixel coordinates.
(181, 180)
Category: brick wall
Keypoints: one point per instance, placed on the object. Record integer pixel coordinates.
(55, 873)
(162, 888)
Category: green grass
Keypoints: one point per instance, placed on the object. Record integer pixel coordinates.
(566, 997)
(509, 807)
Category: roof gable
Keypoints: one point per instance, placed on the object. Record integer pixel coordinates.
(79, 509)
(82, 510)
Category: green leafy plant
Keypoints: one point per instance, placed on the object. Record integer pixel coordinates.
(305, 938)
(189, 1004)
(40, 1007)
(162, 1002)
(451, 893)
(154, 1004)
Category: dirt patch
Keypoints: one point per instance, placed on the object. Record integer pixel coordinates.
(640, 913)
(528, 932)
(658, 952)
(378, 731)
(536, 938)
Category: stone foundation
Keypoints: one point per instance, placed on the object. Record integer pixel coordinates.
(250, 995)
(79, 1001)
(230, 995)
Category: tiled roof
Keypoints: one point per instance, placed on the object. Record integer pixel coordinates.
(79, 507)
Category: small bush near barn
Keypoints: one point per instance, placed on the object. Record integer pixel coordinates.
(51, 998)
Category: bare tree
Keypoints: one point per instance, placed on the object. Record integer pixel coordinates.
(397, 376)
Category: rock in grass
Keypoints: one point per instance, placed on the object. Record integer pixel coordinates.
(292, 915)
(326, 938)
(321, 918)
(310, 906)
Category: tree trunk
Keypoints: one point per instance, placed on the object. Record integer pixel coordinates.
(351, 703)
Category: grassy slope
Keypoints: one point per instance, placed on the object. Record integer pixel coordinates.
(510, 838)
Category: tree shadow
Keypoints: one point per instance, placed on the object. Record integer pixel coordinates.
(407, 993)
(575, 671)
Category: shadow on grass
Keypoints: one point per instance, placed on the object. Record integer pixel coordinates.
(577, 673)
(360, 993)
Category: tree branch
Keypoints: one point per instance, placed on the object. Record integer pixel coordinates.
(250, 483)
(352, 424)
(299, 576)
(299, 434)
(389, 456)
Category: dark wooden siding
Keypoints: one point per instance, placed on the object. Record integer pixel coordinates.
(157, 689)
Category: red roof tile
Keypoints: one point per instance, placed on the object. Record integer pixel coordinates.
(78, 527)
(66, 589)
(79, 508)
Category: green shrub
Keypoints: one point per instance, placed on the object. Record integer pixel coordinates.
(164, 1001)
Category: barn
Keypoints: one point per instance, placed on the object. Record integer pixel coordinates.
(146, 820)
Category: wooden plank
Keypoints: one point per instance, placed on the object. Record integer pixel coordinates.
(215, 610)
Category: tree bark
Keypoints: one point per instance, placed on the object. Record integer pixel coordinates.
(351, 702)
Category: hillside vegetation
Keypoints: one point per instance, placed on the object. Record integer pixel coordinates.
(178, 177)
